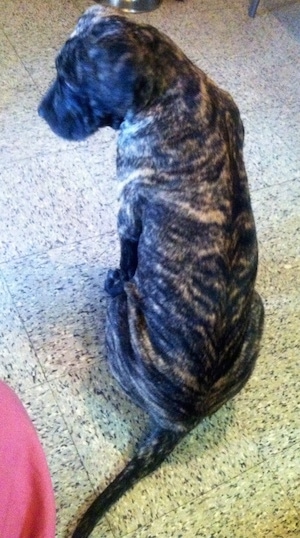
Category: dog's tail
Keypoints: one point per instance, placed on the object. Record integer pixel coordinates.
(150, 454)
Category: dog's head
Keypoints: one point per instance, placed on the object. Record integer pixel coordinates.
(105, 70)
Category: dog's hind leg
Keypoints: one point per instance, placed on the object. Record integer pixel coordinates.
(237, 376)
(150, 454)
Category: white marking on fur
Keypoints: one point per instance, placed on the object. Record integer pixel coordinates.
(91, 17)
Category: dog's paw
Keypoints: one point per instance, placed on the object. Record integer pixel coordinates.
(113, 283)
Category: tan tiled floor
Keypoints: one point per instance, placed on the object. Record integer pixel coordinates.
(237, 475)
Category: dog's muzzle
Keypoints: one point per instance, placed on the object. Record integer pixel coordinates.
(65, 114)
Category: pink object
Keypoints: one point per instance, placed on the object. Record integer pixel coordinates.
(27, 507)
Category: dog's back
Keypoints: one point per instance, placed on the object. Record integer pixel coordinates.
(188, 202)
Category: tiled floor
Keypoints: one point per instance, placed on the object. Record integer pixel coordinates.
(238, 474)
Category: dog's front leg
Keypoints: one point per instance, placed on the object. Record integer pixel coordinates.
(129, 226)
(114, 283)
(129, 258)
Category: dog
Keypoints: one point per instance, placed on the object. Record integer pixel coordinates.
(184, 321)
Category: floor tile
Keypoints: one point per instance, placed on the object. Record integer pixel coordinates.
(276, 212)
(49, 202)
(70, 480)
(273, 389)
(252, 505)
(13, 72)
(237, 34)
(33, 26)
(212, 454)
(101, 419)
(19, 366)
(286, 467)
(103, 423)
(38, 39)
(62, 303)
(24, 133)
(281, 120)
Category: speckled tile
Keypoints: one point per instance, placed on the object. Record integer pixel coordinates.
(215, 452)
(267, 166)
(288, 14)
(273, 390)
(33, 26)
(253, 504)
(70, 480)
(34, 39)
(277, 215)
(60, 298)
(266, 116)
(13, 73)
(19, 366)
(278, 161)
(223, 34)
(24, 133)
(278, 283)
(101, 419)
(286, 467)
(281, 162)
(104, 424)
(49, 202)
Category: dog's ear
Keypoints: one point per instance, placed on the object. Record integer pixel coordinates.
(119, 64)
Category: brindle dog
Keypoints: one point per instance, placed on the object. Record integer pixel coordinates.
(184, 321)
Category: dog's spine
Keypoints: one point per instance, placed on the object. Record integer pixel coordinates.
(149, 455)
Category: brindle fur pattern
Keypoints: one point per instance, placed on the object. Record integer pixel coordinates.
(184, 321)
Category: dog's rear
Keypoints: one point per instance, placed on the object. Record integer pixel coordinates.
(160, 442)
(183, 321)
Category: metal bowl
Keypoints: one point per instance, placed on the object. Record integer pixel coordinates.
(132, 6)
